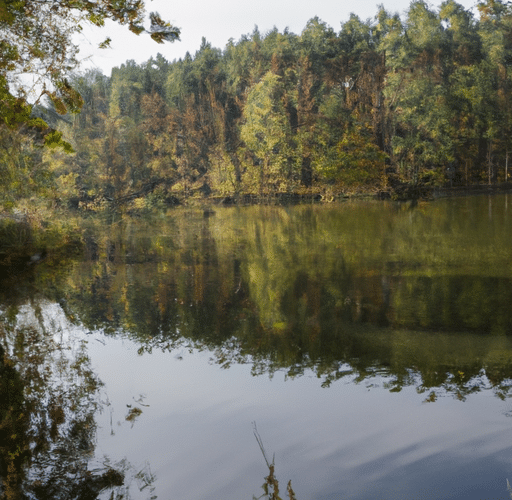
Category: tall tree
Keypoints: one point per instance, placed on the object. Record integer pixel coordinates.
(423, 138)
(495, 30)
(267, 134)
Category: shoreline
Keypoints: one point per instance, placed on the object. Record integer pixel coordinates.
(401, 193)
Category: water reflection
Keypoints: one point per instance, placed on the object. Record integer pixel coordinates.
(413, 300)
(419, 294)
(50, 398)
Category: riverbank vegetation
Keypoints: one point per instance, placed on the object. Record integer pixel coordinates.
(393, 105)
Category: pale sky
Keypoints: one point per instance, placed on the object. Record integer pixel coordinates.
(220, 21)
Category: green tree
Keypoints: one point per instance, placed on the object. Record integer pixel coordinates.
(317, 48)
(22, 171)
(495, 30)
(267, 134)
(423, 137)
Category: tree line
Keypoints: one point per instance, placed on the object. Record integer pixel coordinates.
(421, 100)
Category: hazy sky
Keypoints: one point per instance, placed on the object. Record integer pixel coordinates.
(220, 21)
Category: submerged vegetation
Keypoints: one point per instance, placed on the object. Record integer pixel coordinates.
(271, 484)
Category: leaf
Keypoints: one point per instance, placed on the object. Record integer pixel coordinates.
(105, 44)
(54, 140)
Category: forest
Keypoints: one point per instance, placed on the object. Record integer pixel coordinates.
(386, 106)
(413, 296)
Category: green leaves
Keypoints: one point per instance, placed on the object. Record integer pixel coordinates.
(37, 38)
(54, 140)
(162, 31)
(267, 133)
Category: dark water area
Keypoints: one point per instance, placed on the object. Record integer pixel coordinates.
(371, 342)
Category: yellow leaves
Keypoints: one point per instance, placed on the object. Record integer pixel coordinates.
(358, 161)
(66, 184)
(267, 132)
(280, 326)
(139, 203)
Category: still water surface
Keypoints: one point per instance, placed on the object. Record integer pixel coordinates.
(370, 342)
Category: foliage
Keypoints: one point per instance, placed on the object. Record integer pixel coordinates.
(23, 172)
(37, 40)
(423, 100)
(360, 162)
(267, 133)
(38, 57)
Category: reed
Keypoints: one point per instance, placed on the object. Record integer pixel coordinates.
(271, 484)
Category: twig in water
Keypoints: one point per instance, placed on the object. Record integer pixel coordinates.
(291, 493)
(260, 443)
(271, 485)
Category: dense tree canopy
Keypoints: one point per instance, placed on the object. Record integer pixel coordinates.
(421, 100)
(37, 60)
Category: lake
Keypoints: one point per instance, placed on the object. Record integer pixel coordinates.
(365, 347)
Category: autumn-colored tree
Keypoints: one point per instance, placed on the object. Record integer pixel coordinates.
(423, 99)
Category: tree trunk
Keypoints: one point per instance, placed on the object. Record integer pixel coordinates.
(306, 174)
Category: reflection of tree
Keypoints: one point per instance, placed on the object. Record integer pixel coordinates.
(49, 397)
(14, 447)
(359, 291)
